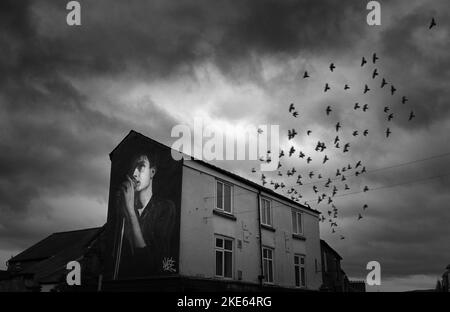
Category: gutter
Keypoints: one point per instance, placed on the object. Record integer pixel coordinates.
(261, 276)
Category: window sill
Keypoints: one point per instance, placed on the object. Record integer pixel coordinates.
(224, 214)
(299, 237)
(267, 227)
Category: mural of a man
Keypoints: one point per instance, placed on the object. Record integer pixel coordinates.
(149, 222)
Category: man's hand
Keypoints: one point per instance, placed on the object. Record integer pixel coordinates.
(128, 194)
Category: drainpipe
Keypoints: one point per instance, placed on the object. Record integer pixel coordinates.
(261, 276)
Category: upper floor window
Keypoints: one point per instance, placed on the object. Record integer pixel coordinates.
(224, 195)
(266, 212)
(297, 222)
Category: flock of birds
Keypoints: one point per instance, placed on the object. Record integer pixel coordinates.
(326, 188)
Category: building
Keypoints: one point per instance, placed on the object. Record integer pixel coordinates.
(444, 284)
(357, 286)
(42, 267)
(200, 228)
(333, 277)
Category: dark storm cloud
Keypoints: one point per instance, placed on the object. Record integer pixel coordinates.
(49, 118)
(417, 60)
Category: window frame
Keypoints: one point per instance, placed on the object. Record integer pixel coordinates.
(263, 212)
(272, 260)
(297, 213)
(223, 183)
(223, 251)
(299, 266)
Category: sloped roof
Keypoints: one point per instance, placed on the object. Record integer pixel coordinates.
(53, 269)
(133, 134)
(325, 244)
(54, 244)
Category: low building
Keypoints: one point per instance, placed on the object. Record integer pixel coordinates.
(333, 277)
(42, 267)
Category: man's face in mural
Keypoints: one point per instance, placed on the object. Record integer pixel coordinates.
(142, 172)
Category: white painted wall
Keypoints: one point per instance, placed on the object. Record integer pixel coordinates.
(199, 225)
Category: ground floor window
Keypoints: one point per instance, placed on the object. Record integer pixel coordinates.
(268, 264)
(300, 273)
(224, 257)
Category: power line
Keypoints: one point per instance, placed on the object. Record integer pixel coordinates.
(394, 185)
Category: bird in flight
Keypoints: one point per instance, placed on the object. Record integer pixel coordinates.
(305, 75)
(375, 73)
(260, 131)
(332, 67)
(365, 107)
(374, 58)
(433, 23)
(328, 110)
(386, 109)
(363, 61)
(253, 170)
(325, 159)
(336, 139)
(308, 132)
(291, 151)
(338, 125)
(366, 188)
(366, 132)
(393, 90)
(342, 237)
(295, 114)
(411, 116)
(291, 134)
(388, 132)
(358, 164)
(356, 106)
(301, 155)
(366, 89)
(308, 160)
(346, 146)
(404, 99)
(359, 217)
(291, 107)
(383, 83)
(346, 87)
(365, 207)
(327, 87)
(355, 133)
(391, 115)
(346, 187)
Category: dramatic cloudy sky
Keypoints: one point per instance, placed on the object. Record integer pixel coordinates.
(68, 95)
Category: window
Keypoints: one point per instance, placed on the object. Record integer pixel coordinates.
(268, 264)
(300, 273)
(223, 196)
(266, 213)
(224, 257)
(297, 222)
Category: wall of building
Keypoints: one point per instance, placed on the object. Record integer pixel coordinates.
(199, 225)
